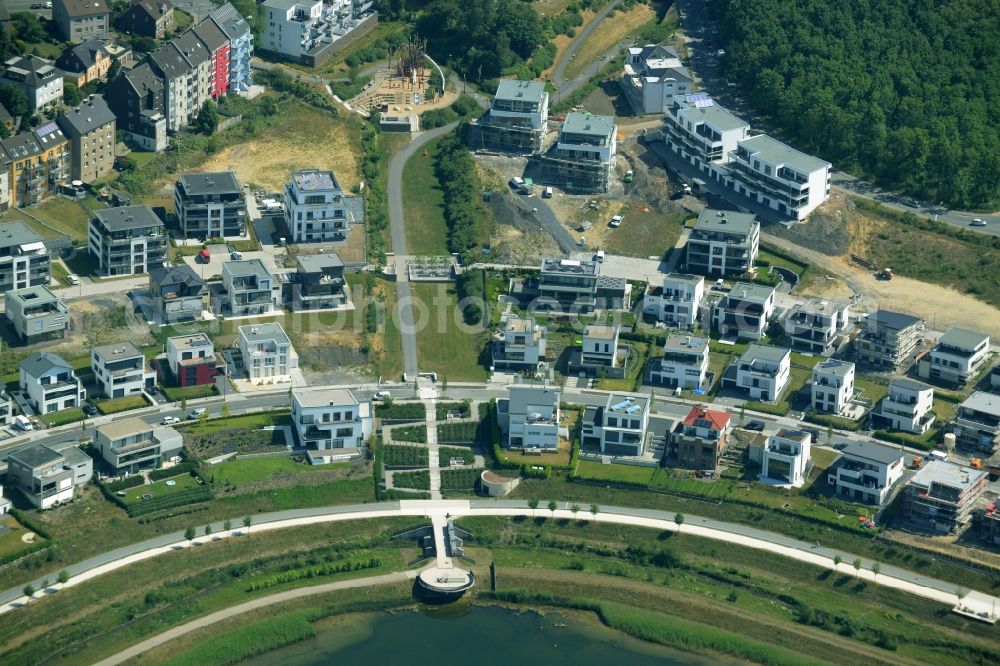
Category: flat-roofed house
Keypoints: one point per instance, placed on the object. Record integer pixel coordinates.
(330, 424)
(956, 358)
(131, 445)
(676, 301)
(120, 370)
(36, 314)
(866, 473)
(684, 363)
(268, 355)
(723, 243)
(907, 407)
(519, 344)
(529, 418)
(832, 386)
(47, 477)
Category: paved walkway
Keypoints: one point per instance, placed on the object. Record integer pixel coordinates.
(430, 403)
(891, 576)
(256, 604)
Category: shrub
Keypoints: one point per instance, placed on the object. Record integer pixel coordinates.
(420, 480)
(412, 411)
(446, 453)
(404, 456)
(417, 433)
(459, 479)
(126, 483)
(457, 432)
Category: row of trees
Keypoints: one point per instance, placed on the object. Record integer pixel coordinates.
(455, 169)
(904, 91)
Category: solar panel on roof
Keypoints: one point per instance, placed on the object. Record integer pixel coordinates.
(633, 409)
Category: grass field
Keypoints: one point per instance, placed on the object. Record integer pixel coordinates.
(445, 345)
(624, 473)
(69, 217)
(62, 417)
(117, 405)
(178, 393)
(616, 27)
(426, 232)
(644, 233)
(160, 488)
(11, 542)
(247, 421)
(245, 470)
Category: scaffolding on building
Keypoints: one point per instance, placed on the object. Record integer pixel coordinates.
(576, 176)
(503, 136)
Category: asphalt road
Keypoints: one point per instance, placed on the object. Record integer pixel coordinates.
(565, 88)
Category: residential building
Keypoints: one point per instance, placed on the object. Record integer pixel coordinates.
(199, 82)
(181, 78)
(529, 418)
(888, 340)
(568, 285)
(786, 458)
(80, 20)
(907, 407)
(330, 424)
(519, 345)
(217, 44)
(316, 210)
(127, 240)
(699, 441)
(653, 76)
(24, 261)
(763, 372)
(941, 496)
(779, 177)
(237, 31)
(818, 325)
(517, 119)
(250, 287)
(600, 346)
(120, 370)
(147, 18)
(700, 131)
(41, 82)
(36, 314)
(191, 359)
(675, 303)
(210, 205)
(6, 408)
(176, 293)
(47, 477)
(866, 473)
(832, 386)
(49, 383)
(995, 378)
(956, 358)
(318, 283)
(84, 63)
(723, 243)
(618, 427)
(131, 445)
(684, 363)
(311, 31)
(268, 356)
(583, 157)
(90, 129)
(5, 179)
(976, 424)
(989, 524)
(744, 311)
(137, 97)
(40, 164)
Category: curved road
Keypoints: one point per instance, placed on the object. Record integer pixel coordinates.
(565, 87)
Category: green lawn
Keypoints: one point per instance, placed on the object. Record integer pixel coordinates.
(182, 21)
(160, 488)
(633, 372)
(59, 272)
(178, 393)
(445, 345)
(426, 232)
(251, 421)
(67, 216)
(62, 417)
(624, 473)
(245, 470)
(11, 542)
(644, 233)
(117, 405)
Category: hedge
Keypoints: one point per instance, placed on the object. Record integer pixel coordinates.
(459, 479)
(446, 453)
(420, 480)
(410, 434)
(442, 409)
(179, 498)
(126, 483)
(178, 393)
(905, 439)
(28, 522)
(404, 456)
(457, 432)
(838, 422)
(176, 470)
(314, 572)
(413, 411)
(116, 405)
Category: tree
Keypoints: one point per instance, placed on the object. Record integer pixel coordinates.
(857, 567)
(29, 590)
(837, 559)
(207, 120)
(575, 509)
(184, 405)
(208, 530)
(14, 100)
(116, 67)
(71, 95)
(679, 519)
(532, 504)
(553, 506)
(247, 521)
(189, 533)
(63, 577)
(876, 570)
(203, 418)
(228, 526)
(594, 509)
(829, 435)
(28, 27)
(225, 410)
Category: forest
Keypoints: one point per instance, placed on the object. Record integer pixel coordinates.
(906, 92)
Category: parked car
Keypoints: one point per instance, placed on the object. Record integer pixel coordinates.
(169, 420)
(73, 279)
(197, 412)
(22, 423)
(978, 222)
(754, 425)
(89, 409)
(547, 193)
(616, 221)
(382, 395)
(599, 257)
(205, 256)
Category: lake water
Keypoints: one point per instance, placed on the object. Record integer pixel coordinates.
(481, 635)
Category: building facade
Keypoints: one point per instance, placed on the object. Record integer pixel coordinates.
(786, 458)
(191, 359)
(676, 302)
(41, 82)
(40, 164)
(131, 445)
(250, 287)
(268, 356)
(866, 473)
(86, 62)
(907, 407)
(310, 31)
(49, 383)
(90, 129)
(744, 311)
(318, 283)
(176, 294)
(684, 363)
(237, 31)
(80, 20)
(147, 18)
(217, 44)
(36, 314)
(976, 424)
(568, 285)
(956, 358)
(888, 340)
(619, 427)
(940, 498)
(120, 370)
(47, 477)
(137, 97)
(316, 210)
(24, 260)
(128, 240)
(701, 132)
(818, 325)
(763, 372)
(331, 425)
(529, 418)
(519, 345)
(210, 205)
(832, 386)
(653, 76)
(723, 243)
(583, 157)
(517, 119)
(699, 441)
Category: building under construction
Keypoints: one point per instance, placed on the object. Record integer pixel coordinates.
(516, 122)
(582, 160)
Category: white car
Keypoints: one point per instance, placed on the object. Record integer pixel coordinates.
(978, 222)
(616, 221)
(382, 395)
(170, 420)
(73, 279)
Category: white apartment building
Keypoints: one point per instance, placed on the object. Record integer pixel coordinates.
(332, 425)
(779, 177)
(744, 311)
(676, 302)
(529, 418)
(907, 407)
(956, 358)
(185, 82)
(866, 473)
(832, 386)
(817, 325)
(763, 372)
(684, 363)
(723, 242)
(40, 80)
(517, 119)
(700, 131)
(268, 356)
(50, 384)
(653, 76)
(520, 344)
(127, 240)
(786, 457)
(316, 209)
(619, 427)
(306, 30)
(120, 370)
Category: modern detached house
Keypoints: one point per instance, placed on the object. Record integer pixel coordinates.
(763, 372)
(676, 302)
(50, 384)
(907, 407)
(583, 157)
(318, 283)
(723, 243)
(36, 314)
(619, 426)
(210, 205)
(519, 345)
(24, 260)
(267, 353)
(786, 459)
(250, 287)
(128, 240)
(684, 363)
(517, 118)
(131, 445)
(832, 386)
(956, 358)
(191, 359)
(529, 418)
(176, 294)
(47, 477)
(743, 313)
(316, 209)
(120, 370)
(866, 473)
(330, 424)
(888, 339)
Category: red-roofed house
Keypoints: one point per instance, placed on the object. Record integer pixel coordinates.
(700, 439)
